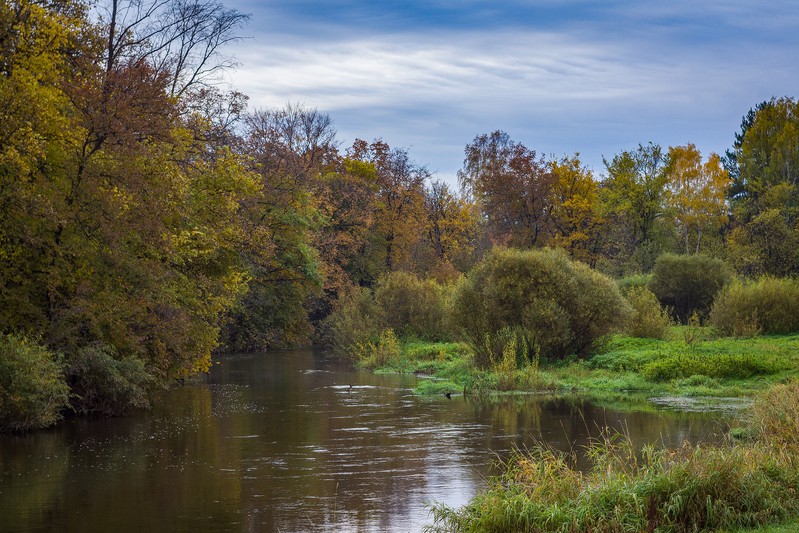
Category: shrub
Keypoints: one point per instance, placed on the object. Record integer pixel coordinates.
(562, 306)
(768, 305)
(356, 320)
(402, 302)
(383, 351)
(103, 384)
(33, 392)
(688, 283)
(410, 306)
(648, 319)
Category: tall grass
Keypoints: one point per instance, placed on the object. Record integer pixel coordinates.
(693, 488)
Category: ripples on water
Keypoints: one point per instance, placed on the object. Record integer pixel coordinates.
(281, 442)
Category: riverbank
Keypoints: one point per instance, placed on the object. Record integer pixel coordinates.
(745, 485)
(690, 363)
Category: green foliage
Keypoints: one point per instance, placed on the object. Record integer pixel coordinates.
(632, 203)
(401, 302)
(724, 366)
(561, 306)
(765, 195)
(381, 352)
(633, 281)
(33, 392)
(430, 387)
(104, 384)
(412, 307)
(767, 305)
(357, 320)
(648, 319)
(688, 283)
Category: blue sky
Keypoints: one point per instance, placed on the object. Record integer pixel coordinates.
(559, 76)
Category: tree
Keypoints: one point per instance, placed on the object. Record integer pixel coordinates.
(696, 194)
(290, 150)
(512, 186)
(765, 194)
(451, 226)
(767, 156)
(400, 184)
(632, 198)
(181, 40)
(574, 214)
(121, 223)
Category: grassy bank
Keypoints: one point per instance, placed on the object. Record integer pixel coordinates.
(741, 486)
(686, 364)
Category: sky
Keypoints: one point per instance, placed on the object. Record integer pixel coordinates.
(558, 76)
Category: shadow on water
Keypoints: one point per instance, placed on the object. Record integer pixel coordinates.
(291, 441)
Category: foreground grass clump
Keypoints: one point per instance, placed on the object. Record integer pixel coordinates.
(693, 488)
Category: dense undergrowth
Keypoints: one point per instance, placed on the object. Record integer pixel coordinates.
(736, 486)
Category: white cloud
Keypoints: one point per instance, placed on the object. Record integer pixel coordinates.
(558, 92)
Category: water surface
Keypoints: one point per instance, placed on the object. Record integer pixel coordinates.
(281, 442)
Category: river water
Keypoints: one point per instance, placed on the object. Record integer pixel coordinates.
(281, 442)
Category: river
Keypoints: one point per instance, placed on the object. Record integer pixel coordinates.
(291, 441)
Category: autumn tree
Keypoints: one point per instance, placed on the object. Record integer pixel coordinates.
(348, 206)
(696, 195)
(290, 149)
(574, 214)
(451, 230)
(400, 208)
(512, 185)
(121, 227)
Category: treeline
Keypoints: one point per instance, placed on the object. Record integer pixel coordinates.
(149, 218)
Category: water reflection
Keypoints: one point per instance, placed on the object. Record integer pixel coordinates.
(281, 442)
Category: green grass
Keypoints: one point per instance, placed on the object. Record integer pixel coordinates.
(788, 527)
(689, 363)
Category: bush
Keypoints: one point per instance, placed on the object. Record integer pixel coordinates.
(562, 306)
(106, 385)
(688, 283)
(410, 306)
(33, 392)
(649, 319)
(383, 351)
(401, 302)
(768, 305)
(356, 320)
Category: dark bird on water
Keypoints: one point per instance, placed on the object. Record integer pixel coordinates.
(448, 395)
(349, 388)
